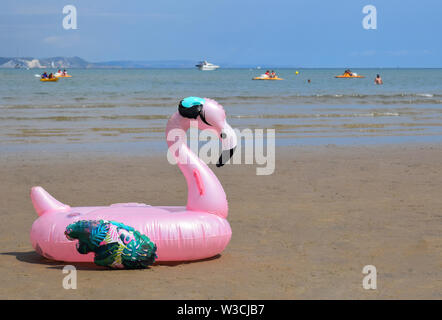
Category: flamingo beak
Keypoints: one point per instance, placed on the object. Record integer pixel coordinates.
(229, 142)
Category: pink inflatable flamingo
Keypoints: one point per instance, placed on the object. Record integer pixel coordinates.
(199, 230)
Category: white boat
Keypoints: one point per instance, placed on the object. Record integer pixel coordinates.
(206, 66)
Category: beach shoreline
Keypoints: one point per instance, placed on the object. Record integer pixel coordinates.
(306, 231)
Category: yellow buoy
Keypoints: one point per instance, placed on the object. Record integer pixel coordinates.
(297, 72)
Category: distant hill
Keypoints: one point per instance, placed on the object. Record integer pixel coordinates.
(54, 62)
(76, 62)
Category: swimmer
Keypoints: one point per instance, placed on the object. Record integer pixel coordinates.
(378, 80)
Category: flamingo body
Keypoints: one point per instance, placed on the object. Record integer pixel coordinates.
(197, 231)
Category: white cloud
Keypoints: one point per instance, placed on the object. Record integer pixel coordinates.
(62, 41)
(397, 52)
(52, 40)
(408, 52)
(365, 53)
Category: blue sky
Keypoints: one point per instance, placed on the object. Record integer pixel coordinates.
(300, 33)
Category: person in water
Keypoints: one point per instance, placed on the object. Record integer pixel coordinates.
(378, 80)
(44, 75)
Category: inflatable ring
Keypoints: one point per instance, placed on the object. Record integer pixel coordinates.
(267, 78)
(49, 80)
(348, 76)
(197, 231)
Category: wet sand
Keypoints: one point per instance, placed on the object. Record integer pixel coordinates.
(304, 232)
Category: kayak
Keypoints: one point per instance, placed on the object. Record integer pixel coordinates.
(348, 76)
(50, 80)
(267, 78)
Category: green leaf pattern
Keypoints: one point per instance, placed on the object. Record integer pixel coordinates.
(115, 245)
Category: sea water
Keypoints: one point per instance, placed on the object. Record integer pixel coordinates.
(126, 110)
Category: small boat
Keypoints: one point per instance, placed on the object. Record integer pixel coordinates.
(267, 78)
(63, 76)
(206, 66)
(49, 80)
(346, 75)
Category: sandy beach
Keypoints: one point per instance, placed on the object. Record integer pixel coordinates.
(339, 194)
(304, 232)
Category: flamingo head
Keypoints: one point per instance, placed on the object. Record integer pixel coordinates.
(211, 116)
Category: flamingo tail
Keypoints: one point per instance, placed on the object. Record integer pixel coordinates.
(43, 202)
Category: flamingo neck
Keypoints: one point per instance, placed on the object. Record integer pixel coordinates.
(205, 192)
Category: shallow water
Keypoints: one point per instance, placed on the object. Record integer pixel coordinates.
(123, 109)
